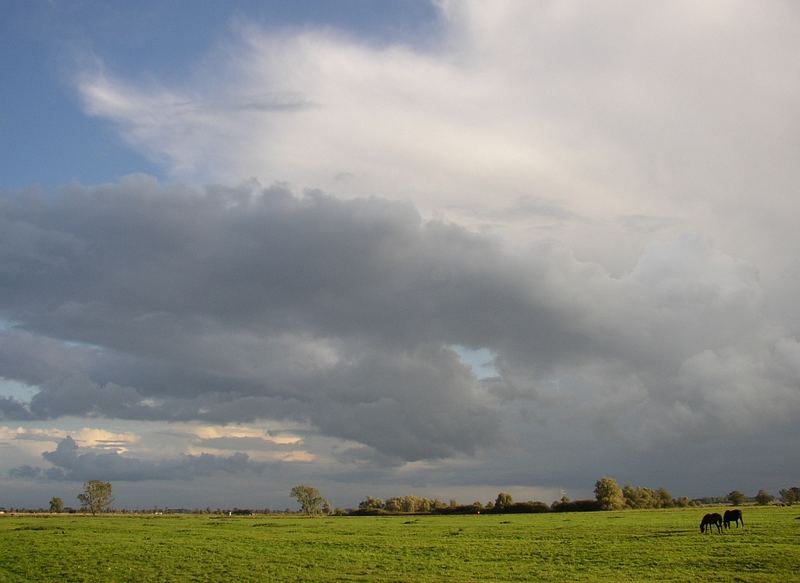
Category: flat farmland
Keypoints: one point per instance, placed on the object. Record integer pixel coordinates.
(656, 545)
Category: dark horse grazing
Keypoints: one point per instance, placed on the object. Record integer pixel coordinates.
(710, 520)
(734, 515)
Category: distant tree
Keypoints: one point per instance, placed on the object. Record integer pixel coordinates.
(532, 506)
(609, 494)
(637, 497)
(642, 497)
(56, 504)
(393, 505)
(370, 503)
(96, 496)
(682, 502)
(437, 505)
(311, 501)
(763, 497)
(790, 495)
(736, 498)
(503, 501)
(664, 498)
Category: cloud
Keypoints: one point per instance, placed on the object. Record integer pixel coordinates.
(239, 432)
(236, 305)
(88, 436)
(670, 110)
(233, 305)
(264, 448)
(12, 409)
(72, 463)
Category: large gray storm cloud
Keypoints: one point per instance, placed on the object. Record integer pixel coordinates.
(140, 301)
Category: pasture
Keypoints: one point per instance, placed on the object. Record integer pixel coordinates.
(654, 545)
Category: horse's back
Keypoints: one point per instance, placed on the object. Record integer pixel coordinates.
(734, 515)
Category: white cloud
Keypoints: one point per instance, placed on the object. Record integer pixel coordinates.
(675, 110)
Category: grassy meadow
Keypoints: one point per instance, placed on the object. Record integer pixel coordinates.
(654, 545)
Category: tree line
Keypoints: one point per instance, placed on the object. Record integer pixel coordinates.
(504, 503)
(610, 496)
(96, 497)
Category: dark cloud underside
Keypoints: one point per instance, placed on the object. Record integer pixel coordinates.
(141, 301)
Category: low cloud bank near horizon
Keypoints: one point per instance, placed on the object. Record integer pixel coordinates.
(142, 301)
(70, 463)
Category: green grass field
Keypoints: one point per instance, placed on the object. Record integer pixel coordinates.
(657, 545)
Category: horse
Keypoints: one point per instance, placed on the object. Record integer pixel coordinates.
(734, 515)
(709, 520)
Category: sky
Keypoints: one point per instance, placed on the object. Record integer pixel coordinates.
(445, 248)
